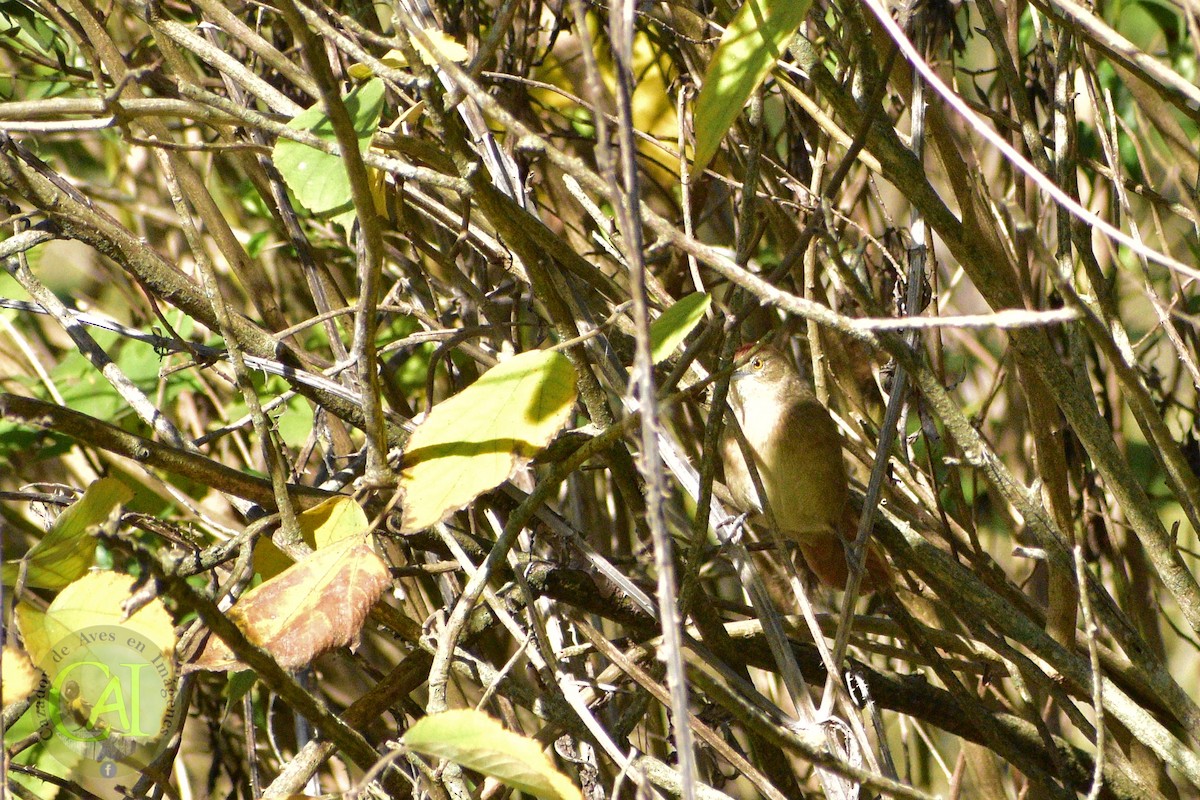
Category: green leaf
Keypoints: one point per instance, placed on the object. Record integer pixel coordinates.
(477, 439)
(257, 243)
(31, 28)
(317, 179)
(30, 446)
(476, 741)
(38, 755)
(752, 43)
(673, 326)
(86, 390)
(296, 424)
(66, 552)
(239, 684)
(1148, 25)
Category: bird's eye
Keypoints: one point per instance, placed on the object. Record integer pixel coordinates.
(756, 362)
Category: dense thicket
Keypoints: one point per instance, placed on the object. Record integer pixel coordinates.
(172, 273)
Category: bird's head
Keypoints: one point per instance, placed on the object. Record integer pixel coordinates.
(766, 374)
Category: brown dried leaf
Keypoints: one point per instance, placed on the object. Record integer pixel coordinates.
(310, 608)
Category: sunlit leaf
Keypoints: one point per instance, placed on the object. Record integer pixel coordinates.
(19, 675)
(332, 520)
(392, 59)
(477, 439)
(395, 59)
(311, 607)
(67, 550)
(319, 180)
(410, 115)
(95, 600)
(672, 327)
(325, 523)
(476, 741)
(753, 42)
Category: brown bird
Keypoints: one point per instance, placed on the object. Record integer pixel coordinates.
(798, 454)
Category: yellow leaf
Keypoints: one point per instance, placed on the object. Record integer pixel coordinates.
(444, 44)
(20, 676)
(32, 624)
(410, 116)
(95, 600)
(327, 522)
(654, 110)
(477, 439)
(476, 741)
(394, 59)
(332, 520)
(360, 71)
(110, 679)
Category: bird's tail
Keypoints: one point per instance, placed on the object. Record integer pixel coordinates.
(826, 557)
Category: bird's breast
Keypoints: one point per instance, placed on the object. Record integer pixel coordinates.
(798, 454)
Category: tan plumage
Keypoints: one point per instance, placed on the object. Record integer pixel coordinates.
(798, 454)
